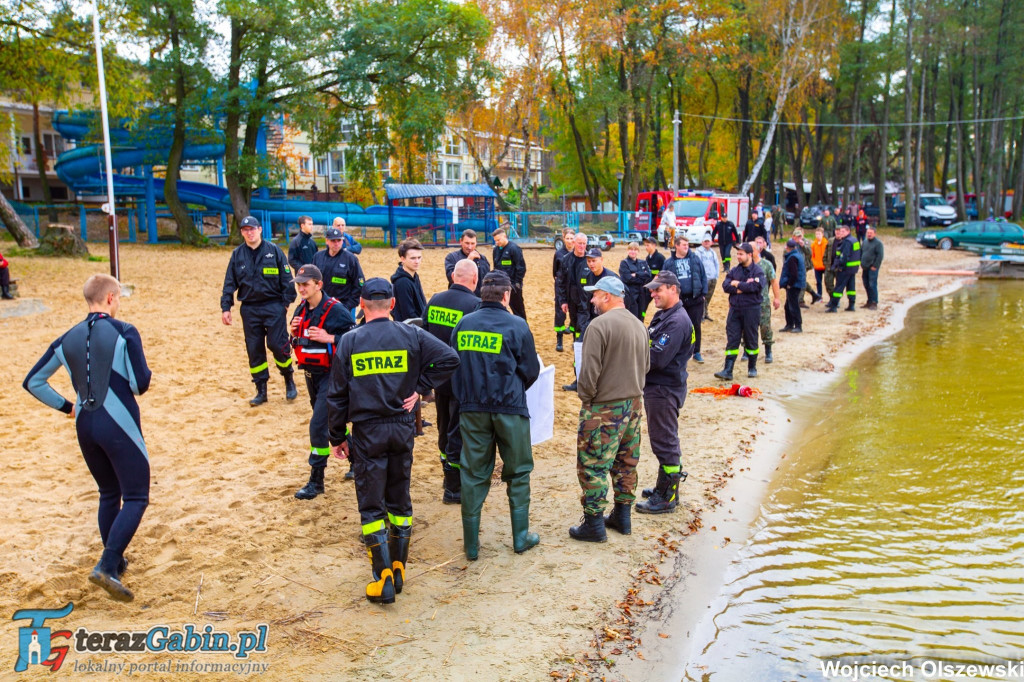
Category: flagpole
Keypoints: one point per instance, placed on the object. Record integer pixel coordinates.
(115, 266)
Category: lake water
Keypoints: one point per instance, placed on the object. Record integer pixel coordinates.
(894, 529)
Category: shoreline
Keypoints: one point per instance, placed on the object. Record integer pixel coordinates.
(699, 569)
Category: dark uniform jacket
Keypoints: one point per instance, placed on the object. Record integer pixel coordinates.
(794, 274)
(343, 276)
(498, 361)
(556, 272)
(572, 279)
(379, 365)
(445, 310)
(482, 266)
(301, 250)
(725, 233)
(337, 322)
(656, 262)
(754, 229)
(847, 255)
(746, 294)
(509, 259)
(410, 301)
(693, 278)
(672, 338)
(634, 274)
(260, 275)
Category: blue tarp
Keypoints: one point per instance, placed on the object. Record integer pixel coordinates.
(396, 191)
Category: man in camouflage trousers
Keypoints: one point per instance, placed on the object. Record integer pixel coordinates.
(772, 286)
(610, 386)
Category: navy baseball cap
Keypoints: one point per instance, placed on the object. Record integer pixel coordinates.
(249, 221)
(333, 233)
(595, 253)
(497, 278)
(308, 272)
(612, 285)
(664, 277)
(377, 289)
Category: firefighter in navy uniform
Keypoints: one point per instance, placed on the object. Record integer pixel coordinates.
(343, 275)
(444, 311)
(508, 258)
(379, 371)
(259, 272)
(743, 283)
(556, 268)
(316, 327)
(845, 265)
(575, 302)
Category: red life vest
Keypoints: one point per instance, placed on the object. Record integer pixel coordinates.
(314, 354)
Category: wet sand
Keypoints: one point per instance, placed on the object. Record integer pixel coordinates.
(223, 512)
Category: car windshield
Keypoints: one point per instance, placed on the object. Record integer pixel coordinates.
(932, 201)
(690, 208)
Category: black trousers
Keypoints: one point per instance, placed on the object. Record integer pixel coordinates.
(381, 455)
(726, 251)
(559, 319)
(694, 308)
(515, 302)
(846, 280)
(449, 437)
(319, 441)
(742, 323)
(634, 296)
(645, 302)
(662, 405)
(264, 326)
(794, 318)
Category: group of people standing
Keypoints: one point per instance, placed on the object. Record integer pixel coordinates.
(371, 349)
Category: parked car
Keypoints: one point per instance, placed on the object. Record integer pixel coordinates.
(810, 216)
(932, 210)
(973, 233)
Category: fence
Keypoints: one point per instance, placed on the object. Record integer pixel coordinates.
(546, 225)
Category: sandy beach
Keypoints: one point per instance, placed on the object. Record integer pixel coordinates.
(223, 516)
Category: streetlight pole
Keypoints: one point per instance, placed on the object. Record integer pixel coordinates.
(675, 151)
(115, 265)
(619, 206)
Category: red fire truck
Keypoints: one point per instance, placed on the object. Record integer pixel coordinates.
(696, 212)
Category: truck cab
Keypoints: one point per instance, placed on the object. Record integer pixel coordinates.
(696, 213)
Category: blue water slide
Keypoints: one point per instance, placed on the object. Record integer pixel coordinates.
(82, 169)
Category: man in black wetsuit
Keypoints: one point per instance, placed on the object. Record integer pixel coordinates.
(108, 369)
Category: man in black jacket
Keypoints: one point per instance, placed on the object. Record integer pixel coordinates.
(726, 235)
(575, 301)
(655, 262)
(635, 274)
(743, 283)
(343, 275)
(672, 338)
(302, 248)
(378, 374)
(316, 327)
(693, 286)
(508, 258)
(567, 244)
(410, 301)
(845, 266)
(467, 249)
(498, 362)
(259, 272)
(445, 310)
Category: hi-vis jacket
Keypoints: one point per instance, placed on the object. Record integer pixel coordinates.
(377, 366)
(847, 255)
(498, 361)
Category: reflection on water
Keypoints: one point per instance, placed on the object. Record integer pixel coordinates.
(897, 529)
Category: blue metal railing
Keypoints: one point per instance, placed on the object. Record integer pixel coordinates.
(540, 225)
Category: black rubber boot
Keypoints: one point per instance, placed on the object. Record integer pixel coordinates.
(619, 519)
(558, 345)
(850, 307)
(452, 485)
(350, 475)
(647, 492)
(665, 498)
(106, 576)
(569, 387)
(522, 538)
(471, 536)
(398, 545)
(6, 295)
(382, 589)
(290, 392)
(768, 359)
(315, 486)
(751, 365)
(591, 529)
(726, 373)
(261, 394)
